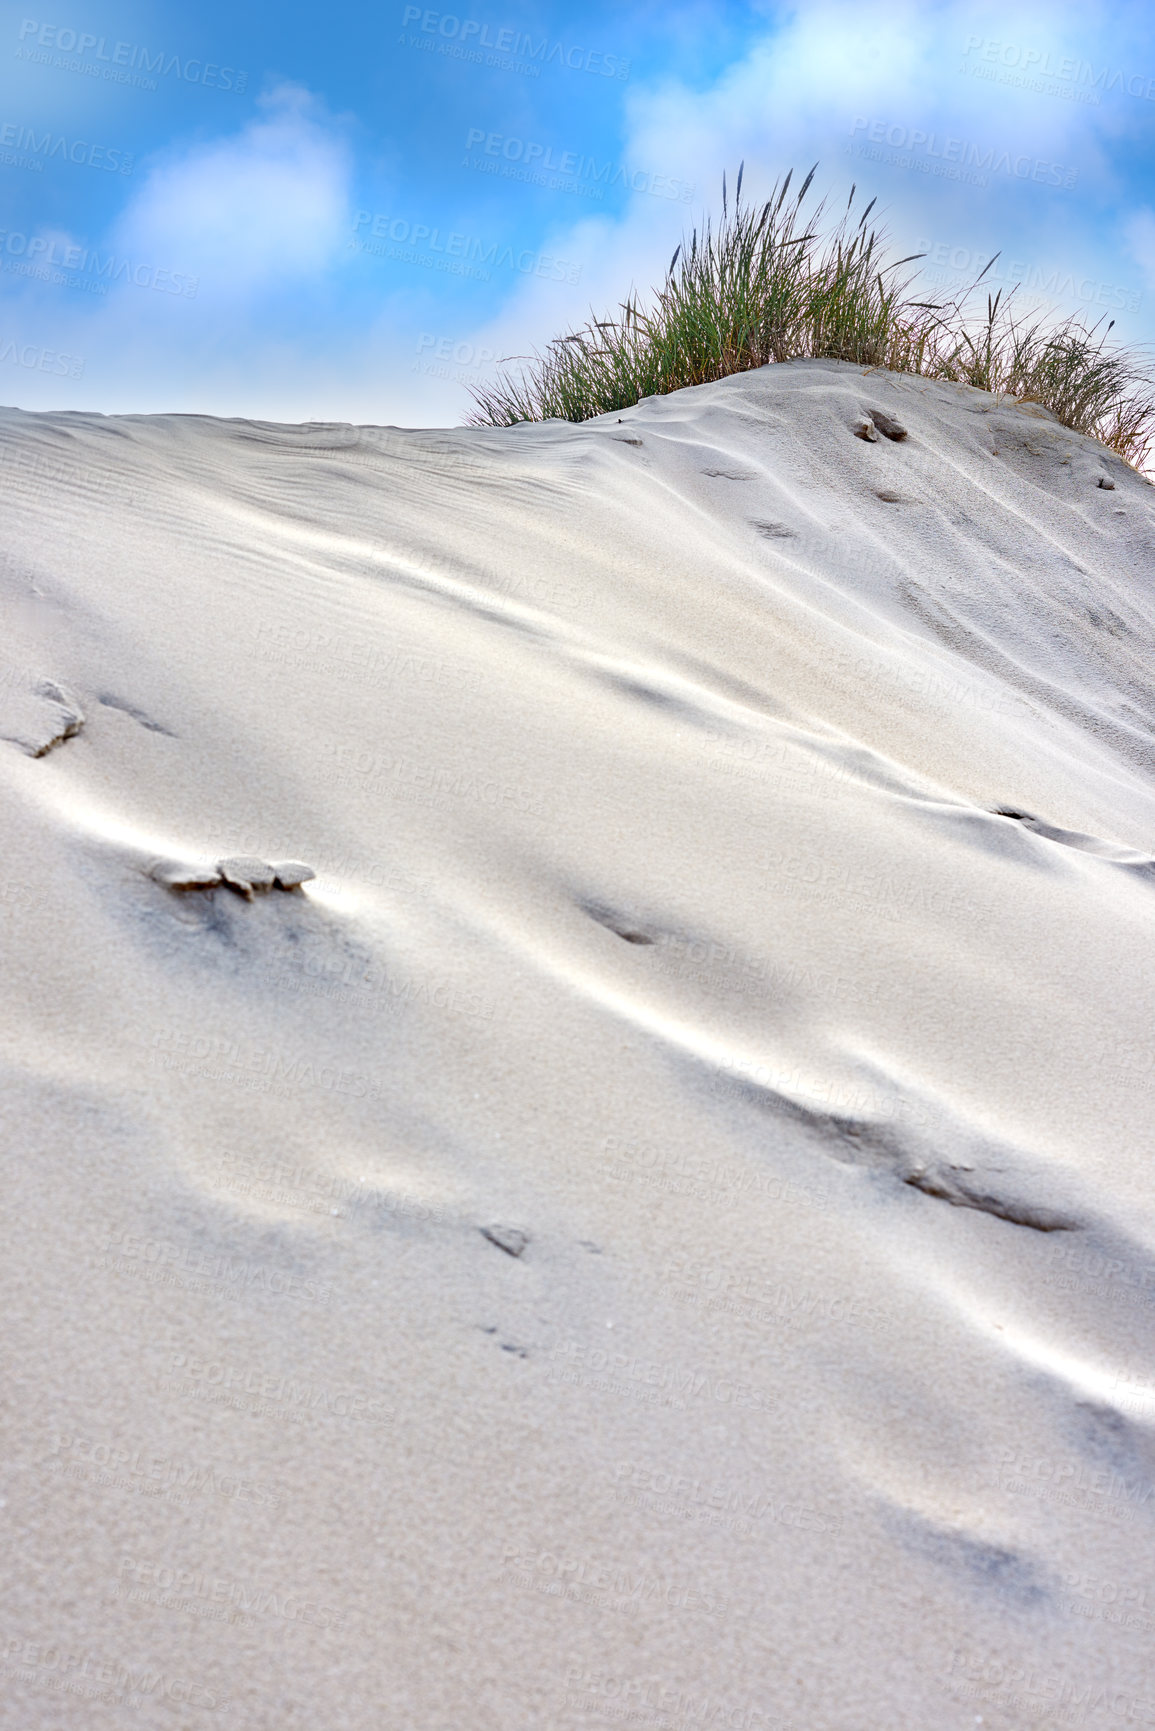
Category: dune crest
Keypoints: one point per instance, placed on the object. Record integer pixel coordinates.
(731, 841)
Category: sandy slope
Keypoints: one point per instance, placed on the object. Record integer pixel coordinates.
(648, 769)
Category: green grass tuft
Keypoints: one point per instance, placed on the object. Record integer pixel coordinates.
(770, 284)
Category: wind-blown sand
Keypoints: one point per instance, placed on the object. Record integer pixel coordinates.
(661, 1230)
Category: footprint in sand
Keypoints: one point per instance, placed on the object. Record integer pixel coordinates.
(887, 425)
(39, 716)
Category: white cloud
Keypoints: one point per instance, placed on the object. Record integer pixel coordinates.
(247, 213)
(269, 209)
(795, 98)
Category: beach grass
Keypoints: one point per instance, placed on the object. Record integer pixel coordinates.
(770, 282)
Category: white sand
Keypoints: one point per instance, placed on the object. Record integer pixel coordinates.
(661, 918)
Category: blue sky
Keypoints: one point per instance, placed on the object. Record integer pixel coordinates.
(350, 212)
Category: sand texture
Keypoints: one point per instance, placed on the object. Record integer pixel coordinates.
(659, 1228)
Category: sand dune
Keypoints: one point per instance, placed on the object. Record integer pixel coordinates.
(660, 1229)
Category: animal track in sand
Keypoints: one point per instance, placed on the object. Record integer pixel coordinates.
(1093, 845)
(506, 1345)
(943, 1184)
(616, 923)
(773, 531)
(1004, 1569)
(511, 1239)
(886, 1145)
(137, 715)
